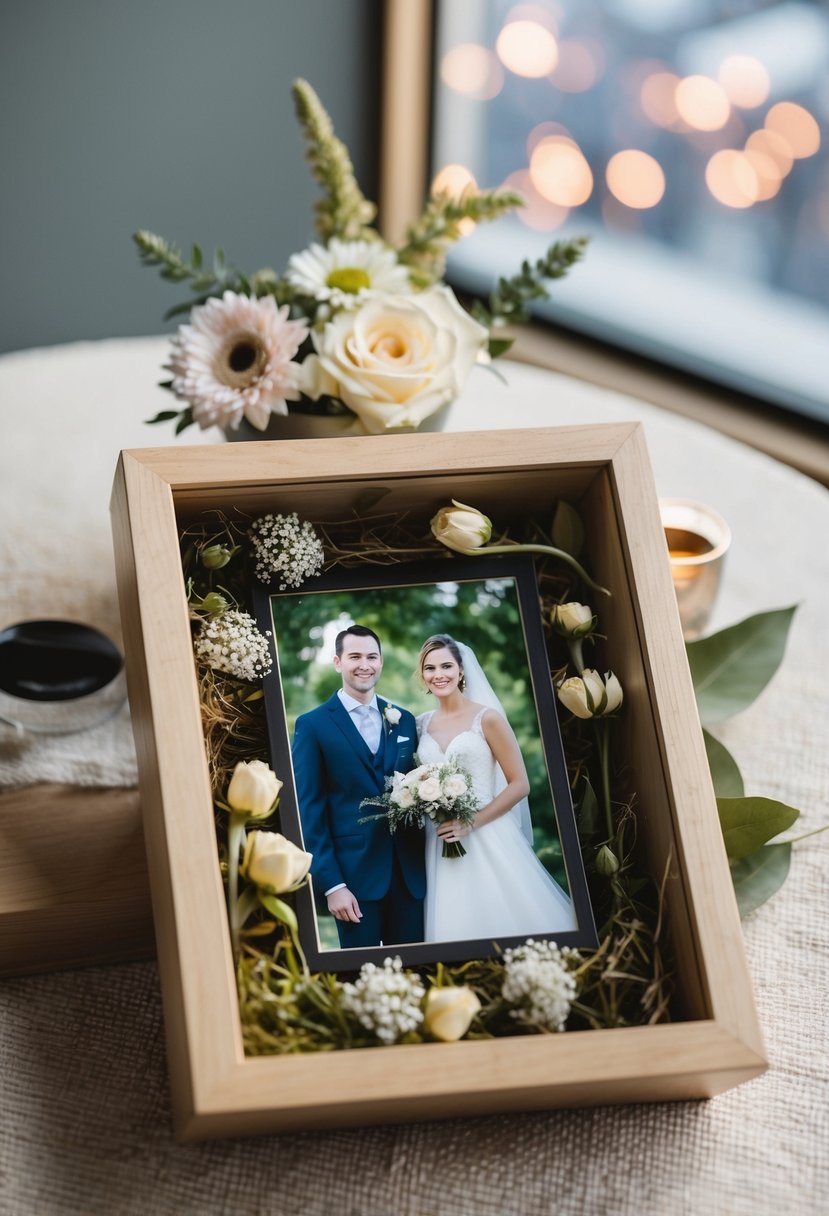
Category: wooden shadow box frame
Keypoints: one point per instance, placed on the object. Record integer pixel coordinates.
(714, 1044)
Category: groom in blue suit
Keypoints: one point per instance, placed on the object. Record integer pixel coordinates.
(343, 750)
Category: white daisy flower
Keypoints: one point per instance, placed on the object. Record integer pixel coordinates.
(235, 359)
(345, 273)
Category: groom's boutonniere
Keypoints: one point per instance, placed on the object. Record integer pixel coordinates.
(392, 715)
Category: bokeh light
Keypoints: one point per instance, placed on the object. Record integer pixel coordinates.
(702, 103)
(657, 97)
(797, 126)
(456, 180)
(547, 130)
(527, 49)
(769, 177)
(560, 172)
(539, 214)
(745, 81)
(635, 179)
(769, 143)
(472, 70)
(732, 179)
(580, 65)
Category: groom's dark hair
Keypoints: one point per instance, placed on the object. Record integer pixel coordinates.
(358, 631)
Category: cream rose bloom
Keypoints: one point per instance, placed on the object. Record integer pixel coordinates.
(455, 785)
(254, 789)
(273, 862)
(449, 1012)
(396, 359)
(429, 790)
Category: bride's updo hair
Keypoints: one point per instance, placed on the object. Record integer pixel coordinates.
(441, 641)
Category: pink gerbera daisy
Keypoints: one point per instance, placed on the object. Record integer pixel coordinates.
(235, 359)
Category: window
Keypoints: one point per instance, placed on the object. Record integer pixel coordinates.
(685, 138)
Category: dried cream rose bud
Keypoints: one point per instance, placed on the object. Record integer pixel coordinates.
(253, 789)
(273, 862)
(573, 620)
(461, 527)
(449, 1012)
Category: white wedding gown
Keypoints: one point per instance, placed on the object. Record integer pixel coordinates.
(499, 889)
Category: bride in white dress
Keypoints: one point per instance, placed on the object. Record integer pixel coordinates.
(499, 889)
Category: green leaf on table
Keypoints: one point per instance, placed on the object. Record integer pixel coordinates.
(728, 781)
(757, 877)
(731, 668)
(747, 823)
(568, 530)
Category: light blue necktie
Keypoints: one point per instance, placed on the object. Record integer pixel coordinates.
(368, 726)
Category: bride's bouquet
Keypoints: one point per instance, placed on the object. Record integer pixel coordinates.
(432, 791)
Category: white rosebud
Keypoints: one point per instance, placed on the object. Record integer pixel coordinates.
(392, 715)
(573, 620)
(449, 1012)
(403, 797)
(429, 789)
(614, 692)
(253, 790)
(589, 696)
(461, 527)
(273, 862)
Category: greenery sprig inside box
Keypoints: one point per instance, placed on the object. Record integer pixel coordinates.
(714, 1042)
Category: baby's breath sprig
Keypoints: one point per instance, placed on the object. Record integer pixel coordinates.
(286, 549)
(386, 1000)
(232, 643)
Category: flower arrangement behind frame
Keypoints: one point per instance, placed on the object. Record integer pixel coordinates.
(354, 327)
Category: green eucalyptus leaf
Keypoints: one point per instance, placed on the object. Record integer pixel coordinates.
(163, 416)
(568, 530)
(757, 877)
(279, 909)
(728, 781)
(747, 823)
(731, 668)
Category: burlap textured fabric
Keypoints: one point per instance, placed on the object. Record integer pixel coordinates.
(86, 1124)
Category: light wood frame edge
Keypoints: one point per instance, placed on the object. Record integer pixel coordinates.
(216, 1090)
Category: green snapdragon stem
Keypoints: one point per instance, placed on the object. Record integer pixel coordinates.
(235, 836)
(549, 550)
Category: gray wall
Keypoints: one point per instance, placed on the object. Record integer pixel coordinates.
(172, 115)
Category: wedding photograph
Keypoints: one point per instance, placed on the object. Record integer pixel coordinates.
(413, 720)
